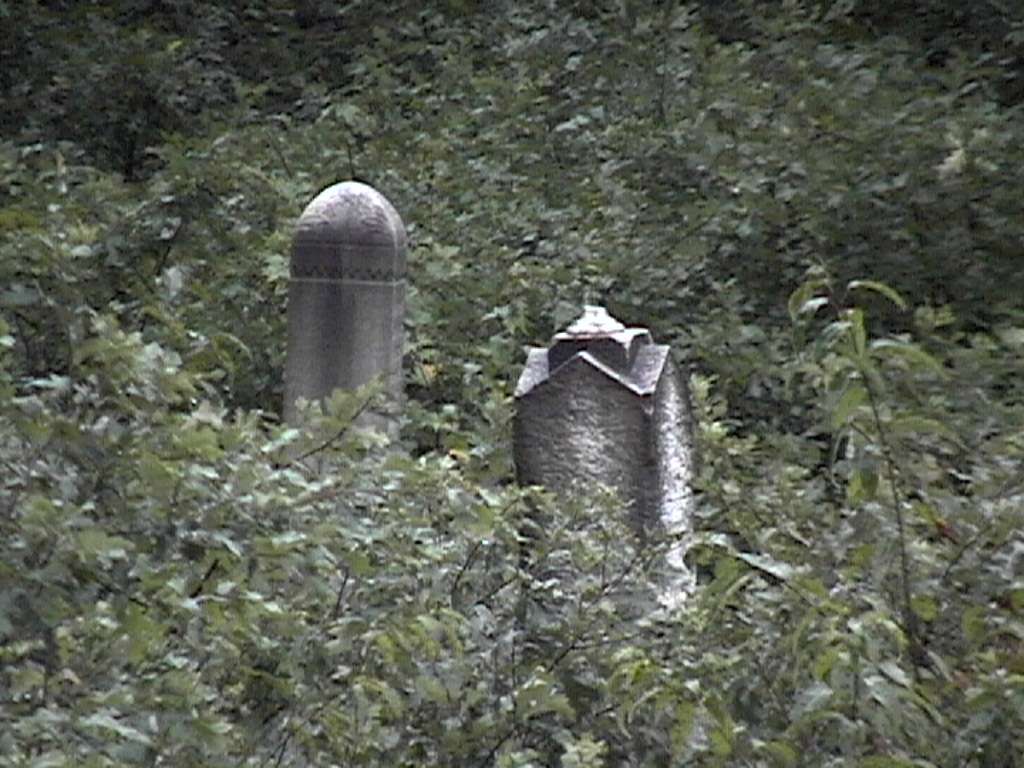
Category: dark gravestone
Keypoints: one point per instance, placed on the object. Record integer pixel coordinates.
(346, 297)
(605, 405)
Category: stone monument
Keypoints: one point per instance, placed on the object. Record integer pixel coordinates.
(605, 404)
(346, 297)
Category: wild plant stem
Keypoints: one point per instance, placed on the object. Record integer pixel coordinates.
(910, 624)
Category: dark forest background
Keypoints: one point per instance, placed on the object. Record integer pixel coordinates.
(817, 203)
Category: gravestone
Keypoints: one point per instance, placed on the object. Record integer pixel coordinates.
(346, 297)
(606, 405)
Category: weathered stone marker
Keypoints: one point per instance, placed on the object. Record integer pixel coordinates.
(605, 404)
(346, 297)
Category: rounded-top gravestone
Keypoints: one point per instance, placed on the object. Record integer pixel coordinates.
(346, 296)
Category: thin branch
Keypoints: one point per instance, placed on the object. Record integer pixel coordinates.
(484, 599)
(575, 644)
(910, 624)
(351, 159)
(1010, 486)
(465, 567)
(331, 440)
(341, 591)
(197, 590)
(489, 757)
(280, 156)
(964, 547)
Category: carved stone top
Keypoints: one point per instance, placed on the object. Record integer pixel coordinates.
(625, 355)
(600, 334)
(595, 321)
(349, 232)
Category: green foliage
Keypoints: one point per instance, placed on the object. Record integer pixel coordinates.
(186, 581)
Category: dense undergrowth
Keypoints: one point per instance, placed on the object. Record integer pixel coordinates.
(817, 204)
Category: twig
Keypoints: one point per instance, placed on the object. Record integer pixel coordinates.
(494, 750)
(910, 624)
(694, 229)
(483, 600)
(1004, 492)
(341, 591)
(206, 577)
(331, 440)
(465, 567)
(574, 644)
(280, 156)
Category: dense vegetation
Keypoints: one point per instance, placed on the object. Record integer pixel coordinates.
(816, 202)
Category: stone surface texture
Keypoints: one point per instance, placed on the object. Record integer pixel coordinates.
(606, 405)
(346, 296)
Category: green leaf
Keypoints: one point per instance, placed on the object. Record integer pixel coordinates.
(51, 759)
(912, 354)
(826, 661)
(925, 606)
(1011, 337)
(858, 332)
(804, 300)
(430, 688)
(781, 571)
(682, 727)
(582, 751)
(896, 673)
(880, 288)
(106, 721)
(863, 485)
(287, 540)
(921, 425)
(780, 754)
(539, 696)
(885, 761)
(811, 699)
(974, 623)
(142, 632)
(854, 396)
(95, 542)
(722, 740)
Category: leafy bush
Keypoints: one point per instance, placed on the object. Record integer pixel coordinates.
(184, 580)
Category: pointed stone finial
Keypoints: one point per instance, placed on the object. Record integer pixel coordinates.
(595, 321)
